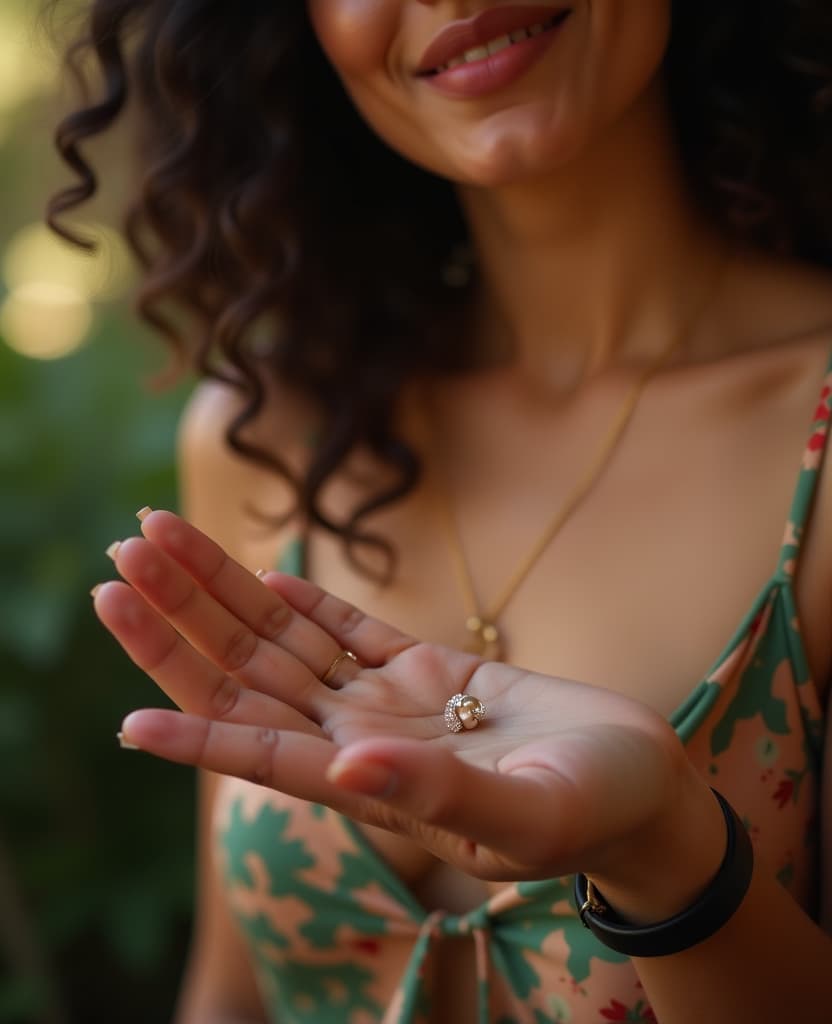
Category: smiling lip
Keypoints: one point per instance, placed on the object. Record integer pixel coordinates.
(460, 36)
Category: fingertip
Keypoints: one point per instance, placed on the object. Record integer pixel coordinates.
(370, 778)
(148, 514)
(273, 579)
(131, 722)
(125, 743)
(101, 595)
(100, 591)
(148, 727)
(163, 527)
(127, 735)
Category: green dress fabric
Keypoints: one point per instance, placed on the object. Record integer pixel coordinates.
(337, 938)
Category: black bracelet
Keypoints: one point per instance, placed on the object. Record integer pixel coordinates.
(700, 920)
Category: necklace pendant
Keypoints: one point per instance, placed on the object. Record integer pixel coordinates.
(485, 638)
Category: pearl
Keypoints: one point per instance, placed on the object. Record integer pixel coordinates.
(469, 711)
(464, 711)
(466, 716)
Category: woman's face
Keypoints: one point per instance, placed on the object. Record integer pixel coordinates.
(487, 92)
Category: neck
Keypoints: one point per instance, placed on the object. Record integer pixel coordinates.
(603, 263)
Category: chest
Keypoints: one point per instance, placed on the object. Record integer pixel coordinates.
(650, 574)
(644, 584)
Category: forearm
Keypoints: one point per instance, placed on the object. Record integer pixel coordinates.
(769, 964)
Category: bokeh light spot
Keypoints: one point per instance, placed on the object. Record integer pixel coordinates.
(25, 71)
(36, 253)
(45, 320)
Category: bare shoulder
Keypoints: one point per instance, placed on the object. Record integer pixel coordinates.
(217, 482)
(285, 421)
(785, 307)
(776, 299)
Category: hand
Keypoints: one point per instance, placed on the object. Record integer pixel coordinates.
(560, 776)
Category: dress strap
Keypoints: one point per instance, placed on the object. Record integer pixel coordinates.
(293, 557)
(807, 479)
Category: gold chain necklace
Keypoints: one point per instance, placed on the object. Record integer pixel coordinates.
(486, 639)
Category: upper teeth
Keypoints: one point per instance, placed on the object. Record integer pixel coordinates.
(495, 45)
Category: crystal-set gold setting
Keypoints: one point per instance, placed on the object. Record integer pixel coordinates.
(464, 712)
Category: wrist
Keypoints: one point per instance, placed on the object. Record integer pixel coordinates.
(666, 866)
(705, 916)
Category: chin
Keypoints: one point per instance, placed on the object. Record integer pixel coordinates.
(510, 149)
(507, 163)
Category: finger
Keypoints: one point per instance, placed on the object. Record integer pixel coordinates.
(287, 761)
(373, 641)
(516, 815)
(218, 634)
(239, 591)
(190, 680)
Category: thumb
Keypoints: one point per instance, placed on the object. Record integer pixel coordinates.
(516, 814)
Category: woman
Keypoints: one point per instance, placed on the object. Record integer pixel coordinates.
(582, 283)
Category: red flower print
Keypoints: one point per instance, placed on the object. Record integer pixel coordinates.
(639, 1014)
(367, 945)
(816, 440)
(789, 787)
(783, 793)
(822, 412)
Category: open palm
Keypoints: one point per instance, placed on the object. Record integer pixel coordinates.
(551, 782)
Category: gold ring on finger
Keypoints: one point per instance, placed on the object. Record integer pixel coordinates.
(344, 655)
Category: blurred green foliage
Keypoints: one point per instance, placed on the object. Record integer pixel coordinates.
(97, 840)
(95, 843)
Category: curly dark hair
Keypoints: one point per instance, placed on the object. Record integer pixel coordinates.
(256, 214)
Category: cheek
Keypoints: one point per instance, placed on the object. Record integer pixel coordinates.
(631, 48)
(354, 34)
(362, 39)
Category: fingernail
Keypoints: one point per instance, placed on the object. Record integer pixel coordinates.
(260, 574)
(143, 513)
(124, 743)
(112, 550)
(95, 589)
(368, 777)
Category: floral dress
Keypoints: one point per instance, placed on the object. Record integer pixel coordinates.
(337, 938)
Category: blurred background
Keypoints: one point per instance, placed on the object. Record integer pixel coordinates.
(95, 843)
